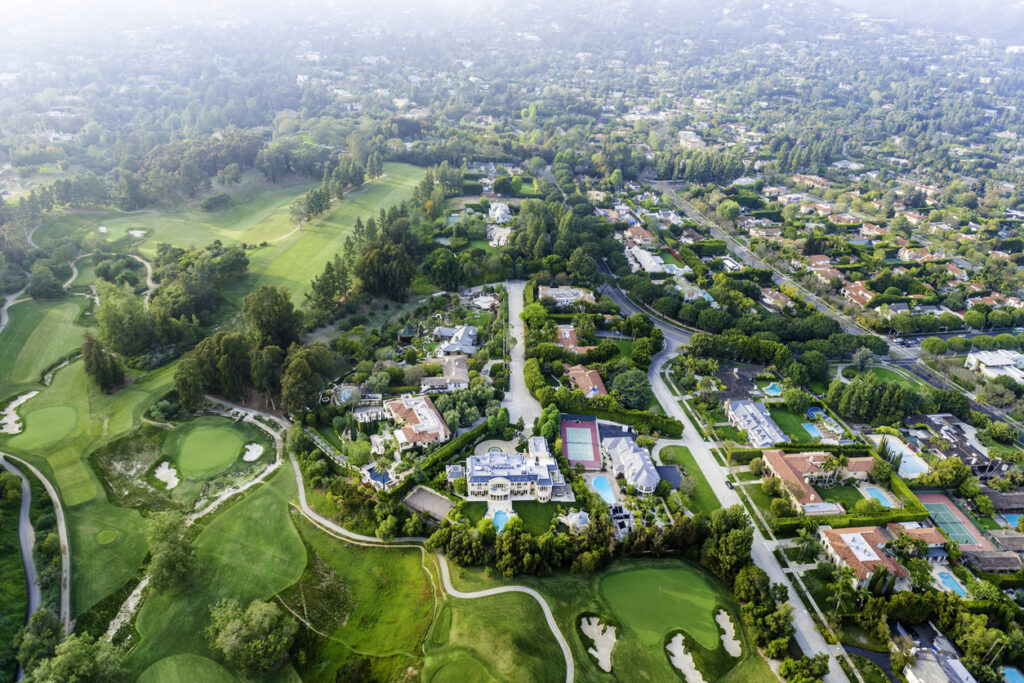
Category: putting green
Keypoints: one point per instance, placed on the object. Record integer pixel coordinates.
(181, 668)
(654, 602)
(207, 450)
(46, 426)
(107, 536)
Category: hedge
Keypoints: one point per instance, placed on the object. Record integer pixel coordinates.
(530, 292)
(442, 454)
(1004, 581)
(743, 456)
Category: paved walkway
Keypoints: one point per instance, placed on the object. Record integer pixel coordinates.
(151, 285)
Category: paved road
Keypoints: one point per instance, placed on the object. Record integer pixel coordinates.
(518, 400)
(807, 635)
(674, 335)
(27, 540)
(151, 285)
(62, 533)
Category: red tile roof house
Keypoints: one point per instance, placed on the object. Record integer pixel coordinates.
(565, 336)
(422, 422)
(642, 236)
(800, 470)
(586, 380)
(862, 549)
(858, 293)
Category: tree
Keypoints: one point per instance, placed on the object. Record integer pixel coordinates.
(255, 640)
(1001, 432)
(797, 400)
(271, 317)
(975, 319)
(189, 383)
(104, 368)
(82, 659)
(807, 543)
(632, 389)
(582, 267)
(299, 386)
(862, 358)
(386, 270)
(38, 639)
(936, 346)
(42, 284)
(172, 560)
(729, 210)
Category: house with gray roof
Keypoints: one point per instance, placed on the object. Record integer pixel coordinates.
(631, 462)
(500, 477)
(456, 340)
(761, 429)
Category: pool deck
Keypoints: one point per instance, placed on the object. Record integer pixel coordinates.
(589, 478)
(936, 570)
(893, 502)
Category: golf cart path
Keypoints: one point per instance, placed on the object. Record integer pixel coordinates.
(62, 533)
(74, 269)
(151, 286)
(570, 671)
(9, 301)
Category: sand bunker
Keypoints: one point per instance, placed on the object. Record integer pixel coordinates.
(167, 474)
(604, 640)
(103, 229)
(683, 660)
(729, 642)
(253, 451)
(137, 233)
(10, 423)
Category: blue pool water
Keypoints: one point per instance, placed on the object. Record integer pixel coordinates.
(950, 582)
(500, 520)
(1012, 519)
(1012, 675)
(604, 488)
(772, 389)
(878, 495)
(813, 430)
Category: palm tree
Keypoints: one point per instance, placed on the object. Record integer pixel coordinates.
(843, 583)
(806, 541)
(705, 386)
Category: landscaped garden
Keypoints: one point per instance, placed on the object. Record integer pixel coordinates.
(704, 499)
(791, 423)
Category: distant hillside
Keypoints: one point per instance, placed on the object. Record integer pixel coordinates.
(999, 19)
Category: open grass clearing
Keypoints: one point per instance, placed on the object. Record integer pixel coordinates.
(186, 668)
(847, 496)
(887, 375)
(37, 335)
(704, 499)
(792, 424)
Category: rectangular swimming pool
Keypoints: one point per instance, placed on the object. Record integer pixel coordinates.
(1012, 519)
(813, 430)
(879, 495)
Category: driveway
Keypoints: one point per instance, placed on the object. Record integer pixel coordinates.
(518, 400)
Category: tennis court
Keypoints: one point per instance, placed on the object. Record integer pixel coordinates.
(579, 442)
(953, 522)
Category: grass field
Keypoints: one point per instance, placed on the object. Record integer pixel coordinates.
(37, 334)
(205, 446)
(181, 668)
(847, 496)
(887, 375)
(704, 499)
(249, 551)
(638, 654)
(791, 424)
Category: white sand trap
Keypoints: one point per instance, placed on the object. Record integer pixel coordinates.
(683, 660)
(137, 233)
(167, 474)
(103, 229)
(604, 640)
(729, 642)
(253, 451)
(10, 422)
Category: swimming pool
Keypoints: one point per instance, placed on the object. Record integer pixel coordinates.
(772, 389)
(500, 520)
(604, 488)
(1012, 675)
(879, 495)
(1012, 519)
(951, 582)
(813, 431)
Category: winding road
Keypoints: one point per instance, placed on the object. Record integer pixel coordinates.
(151, 285)
(62, 533)
(27, 540)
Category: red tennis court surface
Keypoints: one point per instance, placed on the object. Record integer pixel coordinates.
(954, 522)
(580, 443)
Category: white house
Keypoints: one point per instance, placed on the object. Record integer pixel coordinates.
(499, 213)
(761, 429)
(454, 376)
(997, 363)
(632, 463)
(502, 477)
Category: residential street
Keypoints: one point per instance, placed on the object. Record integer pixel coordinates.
(807, 635)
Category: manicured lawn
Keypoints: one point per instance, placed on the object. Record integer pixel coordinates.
(389, 603)
(206, 446)
(847, 496)
(295, 259)
(727, 433)
(791, 424)
(37, 334)
(184, 668)
(647, 600)
(249, 551)
(747, 476)
(625, 346)
(536, 516)
(475, 511)
(887, 375)
(704, 499)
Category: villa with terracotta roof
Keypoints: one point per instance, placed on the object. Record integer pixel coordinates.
(858, 293)
(862, 549)
(586, 380)
(642, 236)
(929, 534)
(565, 336)
(800, 470)
(422, 423)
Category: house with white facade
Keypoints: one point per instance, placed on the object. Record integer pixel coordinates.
(459, 340)
(999, 362)
(862, 549)
(454, 376)
(421, 422)
(499, 213)
(755, 419)
(631, 462)
(564, 297)
(500, 477)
